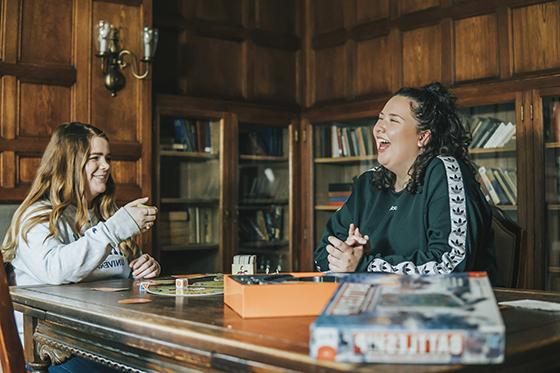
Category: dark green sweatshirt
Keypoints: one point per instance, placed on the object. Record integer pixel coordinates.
(444, 227)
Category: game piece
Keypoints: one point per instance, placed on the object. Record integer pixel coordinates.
(109, 289)
(134, 300)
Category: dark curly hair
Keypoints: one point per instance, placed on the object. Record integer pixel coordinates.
(434, 109)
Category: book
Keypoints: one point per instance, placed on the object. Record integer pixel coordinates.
(387, 318)
(489, 187)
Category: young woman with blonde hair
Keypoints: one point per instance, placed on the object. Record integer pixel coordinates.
(69, 228)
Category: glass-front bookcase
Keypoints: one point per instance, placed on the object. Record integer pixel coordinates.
(263, 203)
(189, 190)
(342, 150)
(551, 137)
(494, 151)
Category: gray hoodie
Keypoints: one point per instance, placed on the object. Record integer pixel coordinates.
(45, 259)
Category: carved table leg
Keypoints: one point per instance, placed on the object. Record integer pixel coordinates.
(34, 361)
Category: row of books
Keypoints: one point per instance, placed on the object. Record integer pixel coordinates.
(339, 140)
(189, 135)
(265, 224)
(193, 225)
(491, 133)
(262, 141)
(338, 193)
(499, 185)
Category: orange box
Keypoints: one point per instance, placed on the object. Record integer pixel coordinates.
(279, 299)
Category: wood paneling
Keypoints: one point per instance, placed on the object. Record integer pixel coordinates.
(225, 11)
(373, 67)
(42, 108)
(49, 21)
(27, 169)
(410, 6)
(536, 37)
(368, 11)
(275, 74)
(476, 48)
(1, 31)
(214, 67)
(167, 72)
(329, 15)
(421, 51)
(332, 67)
(119, 115)
(124, 172)
(277, 15)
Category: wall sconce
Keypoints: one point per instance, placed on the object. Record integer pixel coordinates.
(114, 58)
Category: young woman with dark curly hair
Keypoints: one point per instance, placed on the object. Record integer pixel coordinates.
(421, 211)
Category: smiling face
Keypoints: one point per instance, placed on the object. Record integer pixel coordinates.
(397, 137)
(98, 167)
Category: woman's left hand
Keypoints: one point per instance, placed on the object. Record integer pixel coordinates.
(145, 267)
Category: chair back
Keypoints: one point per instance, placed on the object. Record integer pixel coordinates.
(11, 352)
(508, 240)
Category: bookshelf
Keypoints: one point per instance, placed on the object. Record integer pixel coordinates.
(341, 150)
(189, 191)
(493, 149)
(263, 201)
(550, 106)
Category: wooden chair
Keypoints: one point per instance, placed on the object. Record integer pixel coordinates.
(11, 352)
(508, 241)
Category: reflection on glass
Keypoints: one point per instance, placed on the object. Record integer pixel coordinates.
(263, 207)
(551, 121)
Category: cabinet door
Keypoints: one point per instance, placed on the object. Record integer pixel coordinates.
(493, 149)
(547, 135)
(341, 151)
(190, 193)
(264, 206)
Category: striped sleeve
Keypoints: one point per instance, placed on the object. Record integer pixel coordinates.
(438, 258)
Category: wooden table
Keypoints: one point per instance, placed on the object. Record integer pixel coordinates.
(180, 334)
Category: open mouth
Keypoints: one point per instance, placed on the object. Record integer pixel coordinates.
(382, 145)
(100, 177)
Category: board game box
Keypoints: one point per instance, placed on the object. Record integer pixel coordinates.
(386, 318)
(275, 295)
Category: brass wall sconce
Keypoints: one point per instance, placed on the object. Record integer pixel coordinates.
(114, 58)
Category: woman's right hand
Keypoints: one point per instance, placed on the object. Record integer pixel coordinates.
(143, 215)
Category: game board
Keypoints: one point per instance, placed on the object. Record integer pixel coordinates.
(200, 285)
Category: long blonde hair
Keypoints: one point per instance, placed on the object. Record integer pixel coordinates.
(59, 183)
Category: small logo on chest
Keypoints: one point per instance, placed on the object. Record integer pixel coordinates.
(393, 208)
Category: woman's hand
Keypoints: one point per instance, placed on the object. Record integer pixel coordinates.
(344, 256)
(143, 215)
(145, 267)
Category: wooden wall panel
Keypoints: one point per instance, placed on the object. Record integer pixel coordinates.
(124, 172)
(27, 167)
(49, 21)
(421, 51)
(214, 67)
(168, 71)
(277, 15)
(536, 37)
(410, 6)
(221, 11)
(368, 11)
(42, 108)
(1, 31)
(331, 73)
(329, 15)
(118, 116)
(275, 74)
(373, 74)
(476, 48)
